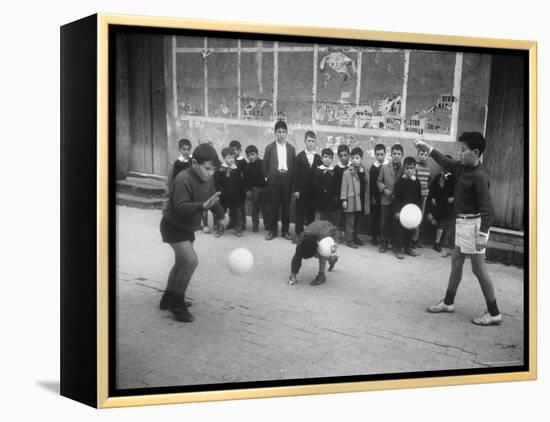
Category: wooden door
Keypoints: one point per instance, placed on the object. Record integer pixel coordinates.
(505, 152)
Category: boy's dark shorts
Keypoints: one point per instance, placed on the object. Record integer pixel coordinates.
(173, 234)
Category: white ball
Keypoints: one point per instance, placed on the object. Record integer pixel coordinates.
(410, 216)
(324, 247)
(240, 261)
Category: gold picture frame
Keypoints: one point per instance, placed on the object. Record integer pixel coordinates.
(86, 337)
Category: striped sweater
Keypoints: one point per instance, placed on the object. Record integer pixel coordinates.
(424, 176)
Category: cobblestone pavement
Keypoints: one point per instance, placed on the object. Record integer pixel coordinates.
(369, 318)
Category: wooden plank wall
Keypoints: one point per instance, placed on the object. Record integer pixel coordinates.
(504, 155)
(141, 124)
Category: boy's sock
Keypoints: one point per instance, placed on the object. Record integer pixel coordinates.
(449, 297)
(493, 308)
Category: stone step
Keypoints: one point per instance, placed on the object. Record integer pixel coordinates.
(129, 200)
(148, 176)
(142, 187)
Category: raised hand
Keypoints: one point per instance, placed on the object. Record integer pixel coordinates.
(213, 200)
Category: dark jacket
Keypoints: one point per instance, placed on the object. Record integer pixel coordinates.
(254, 175)
(271, 161)
(406, 191)
(324, 189)
(442, 209)
(303, 174)
(230, 182)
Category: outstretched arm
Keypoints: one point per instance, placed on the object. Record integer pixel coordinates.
(447, 163)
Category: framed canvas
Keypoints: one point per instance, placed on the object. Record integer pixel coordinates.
(175, 288)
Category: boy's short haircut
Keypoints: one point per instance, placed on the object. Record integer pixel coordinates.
(227, 151)
(356, 151)
(341, 148)
(280, 125)
(397, 147)
(379, 147)
(474, 140)
(409, 161)
(184, 142)
(308, 245)
(204, 153)
(235, 144)
(310, 134)
(250, 149)
(327, 151)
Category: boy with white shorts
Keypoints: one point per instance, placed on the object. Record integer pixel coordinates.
(474, 215)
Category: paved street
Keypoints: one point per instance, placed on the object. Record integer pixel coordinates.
(368, 318)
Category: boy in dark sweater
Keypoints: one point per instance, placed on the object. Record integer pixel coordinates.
(306, 162)
(324, 187)
(341, 166)
(255, 184)
(474, 214)
(374, 172)
(184, 160)
(407, 190)
(230, 182)
(191, 193)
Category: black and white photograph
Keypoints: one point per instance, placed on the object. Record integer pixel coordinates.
(294, 211)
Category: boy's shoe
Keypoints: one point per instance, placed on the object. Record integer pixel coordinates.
(446, 254)
(351, 245)
(270, 236)
(292, 280)
(239, 233)
(374, 241)
(166, 301)
(410, 252)
(437, 247)
(206, 230)
(383, 247)
(399, 254)
(441, 307)
(287, 236)
(358, 241)
(218, 233)
(182, 314)
(295, 239)
(332, 262)
(320, 279)
(487, 319)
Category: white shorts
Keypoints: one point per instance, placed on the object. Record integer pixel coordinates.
(466, 234)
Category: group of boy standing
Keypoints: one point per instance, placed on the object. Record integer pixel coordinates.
(341, 194)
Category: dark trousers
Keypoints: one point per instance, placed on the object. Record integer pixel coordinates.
(296, 263)
(375, 214)
(353, 219)
(279, 196)
(305, 210)
(387, 223)
(340, 218)
(259, 203)
(234, 215)
(403, 237)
